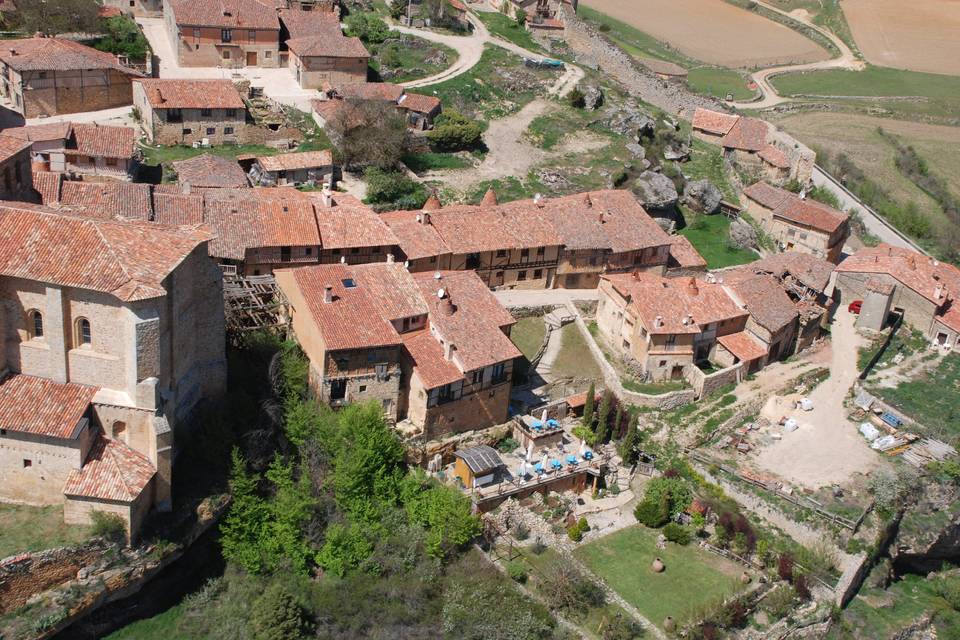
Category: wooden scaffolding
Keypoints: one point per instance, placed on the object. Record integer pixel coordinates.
(253, 303)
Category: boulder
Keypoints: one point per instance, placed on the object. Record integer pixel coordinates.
(743, 235)
(676, 150)
(631, 121)
(702, 196)
(636, 150)
(655, 190)
(593, 97)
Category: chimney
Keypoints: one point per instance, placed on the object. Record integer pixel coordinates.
(600, 218)
(446, 303)
(587, 201)
(938, 291)
(711, 279)
(658, 322)
(424, 218)
(326, 195)
(328, 293)
(912, 263)
(692, 287)
(688, 319)
(432, 203)
(448, 350)
(538, 199)
(419, 218)
(391, 258)
(185, 188)
(343, 259)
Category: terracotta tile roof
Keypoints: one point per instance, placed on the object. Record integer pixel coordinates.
(391, 288)
(259, 223)
(417, 240)
(876, 285)
(456, 4)
(47, 132)
(106, 200)
(308, 23)
(209, 170)
(56, 54)
(685, 254)
(326, 109)
(128, 260)
(242, 14)
(104, 142)
(9, 147)
(430, 365)
(294, 161)
(469, 229)
(773, 156)
(113, 471)
(914, 270)
(47, 184)
(949, 315)
(673, 300)
(747, 134)
(743, 345)
(714, 122)
(191, 94)
(475, 326)
(766, 195)
(43, 407)
(792, 208)
(178, 209)
(352, 320)
(809, 270)
(328, 46)
(763, 297)
(347, 225)
(370, 91)
(610, 219)
(419, 103)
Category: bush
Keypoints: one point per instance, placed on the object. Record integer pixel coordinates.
(677, 533)
(622, 628)
(507, 445)
(785, 567)
(453, 131)
(521, 532)
(109, 526)
(517, 572)
(948, 588)
(538, 547)
(276, 615)
(576, 99)
(652, 514)
(779, 602)
(393, 187)
(802, 586)
(574, 533)
(583, 525)
(368, 27)
(604, 28)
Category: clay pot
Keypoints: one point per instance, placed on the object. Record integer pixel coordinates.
(745, 578)
(658, 565)
(669, 625)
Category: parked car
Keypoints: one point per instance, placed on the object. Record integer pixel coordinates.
(855, 306)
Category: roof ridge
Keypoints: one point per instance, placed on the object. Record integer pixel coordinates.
(113, 253)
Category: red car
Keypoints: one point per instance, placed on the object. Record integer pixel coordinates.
(855, 307)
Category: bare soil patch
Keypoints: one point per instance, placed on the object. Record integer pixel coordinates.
(920, 35)
(715, 32)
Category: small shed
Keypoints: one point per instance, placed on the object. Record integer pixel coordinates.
(477, 466)
(292, 169)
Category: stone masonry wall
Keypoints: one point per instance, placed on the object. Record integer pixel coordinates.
(25, 574)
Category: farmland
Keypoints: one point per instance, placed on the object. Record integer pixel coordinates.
(749, 39)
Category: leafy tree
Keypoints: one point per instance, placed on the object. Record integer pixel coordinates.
(276, 615)
(241, 530)
(60, 16)
(367, 132)
(398, 10)
(290, 509)
(588, 407)
(122, 37)
(393, 187)
(447, 517)
(603, 417)
(617, 421)
(653, 513)
(576, 98)
(453, 131)
(345, 547)
(675, 532)
(662, 499)
(630, 445)
(369, 27)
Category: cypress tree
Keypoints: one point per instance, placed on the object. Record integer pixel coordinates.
(588, 407)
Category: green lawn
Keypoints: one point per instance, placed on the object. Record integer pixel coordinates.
(933, 398)
(162, 626)
(423, 162)
(36, 528)
(574, 359)
(719, 82)
(710, 236)
(528, 334)
(940, 93)
(706, 162)
(653, 388)
(508, 29)
(693, 577)
(406, 57)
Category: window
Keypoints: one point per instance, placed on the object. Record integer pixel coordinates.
(226, 35)
(348, 283)
(663, 363)
(228, 131)
(110, 162)
(521, 275)
(672, 339)
(206, 113)
(499, 373)
(284, 254)
(226, 54)
(27, 463)
(803, 236)
(188, 132)
(363, 388)
(338, 389)
(537, 274)
(626, 345)
(196, 33)
(211, 131)
(35, 323)
(501, 253)
(252, 36)
(174, 115)
(541, 251)
(445, 394)
(268, 54)
(524, 253)
(477, 376)
(83, 336)
(308, 251)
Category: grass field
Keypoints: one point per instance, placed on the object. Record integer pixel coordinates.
(36, 528)
(932, 399)
(574, 359)
(407, 58)
(693, 577)
(162, 626)
(528, 334)
(427, 161)
(710, 236)
(507, 28)
(717, 82)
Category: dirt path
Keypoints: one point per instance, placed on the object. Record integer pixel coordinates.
(769, 96)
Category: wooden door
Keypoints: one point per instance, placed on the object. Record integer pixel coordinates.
(251, 58)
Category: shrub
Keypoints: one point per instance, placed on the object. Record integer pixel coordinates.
(368, 27)
(622, 628)
(521, 532)
(779, 602)
(109, 526)
(652, 514)
(517, 572)
(604, 28)
(276, 615)
(453, 131)
(948, 588)
(393, 187)
(507, 445)
(583, 525)
(677, 533)
(802, 586)
(785, 567)
(576, 99)
(538, 547)
(574, 533)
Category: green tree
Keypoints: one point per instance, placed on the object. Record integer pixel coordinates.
(60, 16)
(276, 615)
(630, 445)
(290, 510)
(617, 421)
(447, 517)
(603, 417)
(520, 16)
(367, 133)
(588, 407)
(123, 37)
(398, 10)
(453, 131)
(344, 548)
(392, 187)
(241, 530)
(369, 27)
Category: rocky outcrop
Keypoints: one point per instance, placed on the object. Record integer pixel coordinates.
(631, 121)
(593, 97)
(655, 190)
(702, 196)
(929, 533)
(742, 235)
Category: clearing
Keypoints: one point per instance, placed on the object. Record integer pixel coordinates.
(931, 398)
(711, 237)
(574, 360)
(35, 528)
(720, 33)
(405, 57)
(528, 334)
(920, 35)
(693, 577)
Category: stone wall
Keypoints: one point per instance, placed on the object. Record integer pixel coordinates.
(706, 384)
(26, 574)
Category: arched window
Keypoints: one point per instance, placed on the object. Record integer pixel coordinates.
(119, 430)
(83, 336)
(35, 323)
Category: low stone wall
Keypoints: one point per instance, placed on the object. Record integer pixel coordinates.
(706, 384)
(24, 575)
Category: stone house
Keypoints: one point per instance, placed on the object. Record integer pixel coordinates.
(294, 169)
(317, 52)
(563, 242)
(100, 200)
(110, 355)
(208, 171)
(51, 76)
(891, 279)
(418, 110)
(16, 179)
(432, 351)
(81, 149)
(665, 324)
(191, 111)
(797, 223)
(227, 33)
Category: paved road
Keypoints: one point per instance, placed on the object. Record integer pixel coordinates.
(876, 225)
(543, 297)
(769, 96)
